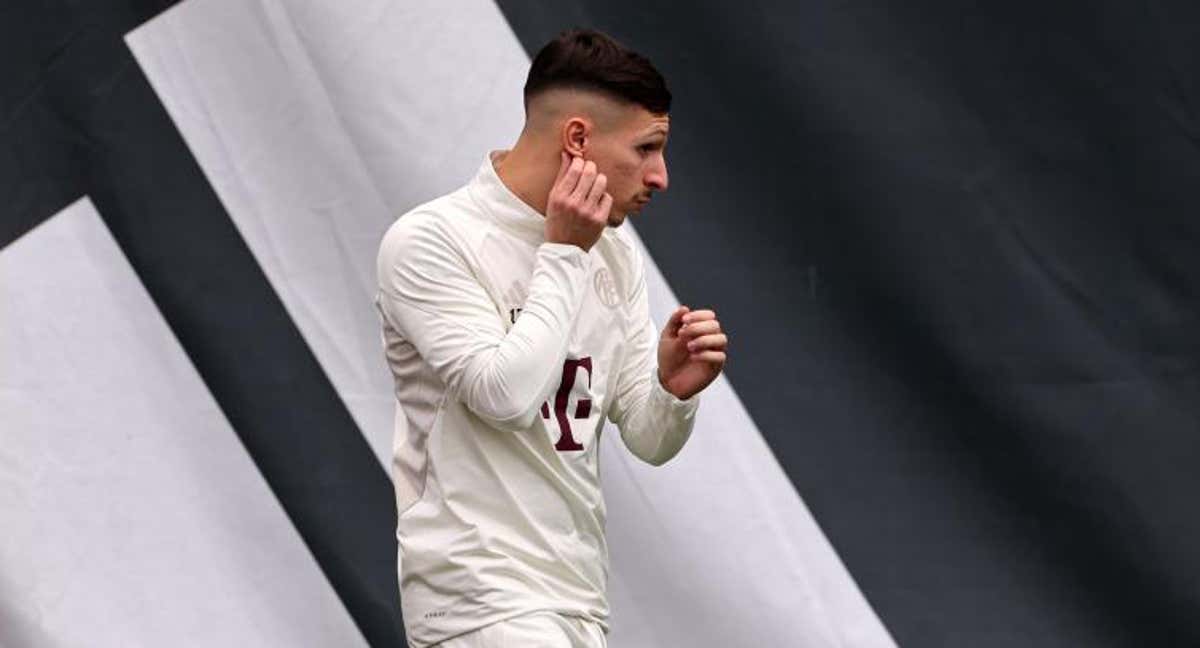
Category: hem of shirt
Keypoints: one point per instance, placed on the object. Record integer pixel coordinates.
(604, 625)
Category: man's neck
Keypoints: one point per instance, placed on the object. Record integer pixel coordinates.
(521, 170)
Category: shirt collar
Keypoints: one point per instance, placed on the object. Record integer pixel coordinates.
(498, 200)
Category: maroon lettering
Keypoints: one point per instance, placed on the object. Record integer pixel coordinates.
(583, 409)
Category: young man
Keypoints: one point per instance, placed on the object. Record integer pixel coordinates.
(515, 320)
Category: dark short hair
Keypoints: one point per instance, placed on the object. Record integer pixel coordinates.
(587, 59)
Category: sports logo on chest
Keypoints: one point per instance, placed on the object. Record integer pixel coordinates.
(574, 387)
(570, 413)
(605, 287)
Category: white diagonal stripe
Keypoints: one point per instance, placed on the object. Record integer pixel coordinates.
(131, 513)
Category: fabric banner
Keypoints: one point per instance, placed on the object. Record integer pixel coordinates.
(954, 249)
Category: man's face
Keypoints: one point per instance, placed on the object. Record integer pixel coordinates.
(631, 154)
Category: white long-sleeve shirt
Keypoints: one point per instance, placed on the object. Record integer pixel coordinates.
(508, 352)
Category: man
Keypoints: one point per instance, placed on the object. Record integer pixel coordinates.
(515, 320)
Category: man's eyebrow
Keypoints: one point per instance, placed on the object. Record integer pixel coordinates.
(656, 131)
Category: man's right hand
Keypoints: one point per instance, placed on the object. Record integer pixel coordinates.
(577, 209)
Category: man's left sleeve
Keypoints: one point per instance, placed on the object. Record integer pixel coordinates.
(654, 424)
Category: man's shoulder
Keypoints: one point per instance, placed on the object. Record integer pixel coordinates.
(440, 220)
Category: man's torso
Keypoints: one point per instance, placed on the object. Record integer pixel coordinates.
(496, 523)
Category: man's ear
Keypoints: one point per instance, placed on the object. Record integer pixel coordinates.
(576, 133)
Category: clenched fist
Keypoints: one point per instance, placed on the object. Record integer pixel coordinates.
(577, 209)
(691, 351)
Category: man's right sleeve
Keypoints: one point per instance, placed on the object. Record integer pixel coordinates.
(429, 294)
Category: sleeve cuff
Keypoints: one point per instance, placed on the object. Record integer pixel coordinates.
(674, 404)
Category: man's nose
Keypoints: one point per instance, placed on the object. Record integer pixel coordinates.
(657, 178)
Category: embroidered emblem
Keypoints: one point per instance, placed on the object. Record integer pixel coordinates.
(606, 288)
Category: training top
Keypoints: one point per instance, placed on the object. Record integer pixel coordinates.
(508, 352)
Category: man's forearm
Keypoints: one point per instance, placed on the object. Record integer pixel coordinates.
(507, 384)
(658, 424)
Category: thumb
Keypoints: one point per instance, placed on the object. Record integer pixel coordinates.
(676, 320)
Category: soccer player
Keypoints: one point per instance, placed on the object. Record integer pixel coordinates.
(515, 321)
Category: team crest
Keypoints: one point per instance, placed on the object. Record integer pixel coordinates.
(606, 288)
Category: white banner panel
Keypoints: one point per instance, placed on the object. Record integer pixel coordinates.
(131, 513)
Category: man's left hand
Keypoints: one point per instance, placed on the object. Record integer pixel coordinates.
(691, 351)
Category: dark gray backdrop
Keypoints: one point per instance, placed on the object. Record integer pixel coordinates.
(957, 250)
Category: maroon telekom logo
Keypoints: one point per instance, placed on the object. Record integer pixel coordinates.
(583, 409)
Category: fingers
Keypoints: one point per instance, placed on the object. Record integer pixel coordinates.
(715, 342)
(716, 357)
(580, 181)
(577, 207)
(702, 334)
(703, 327)
(695, 315)
(596, 193)
(605, 204)
(570, 178)
(586, 180)
(675, 320)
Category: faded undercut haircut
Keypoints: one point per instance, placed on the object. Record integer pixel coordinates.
(586, 59)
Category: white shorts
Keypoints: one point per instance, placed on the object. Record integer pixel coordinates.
(541, 629)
